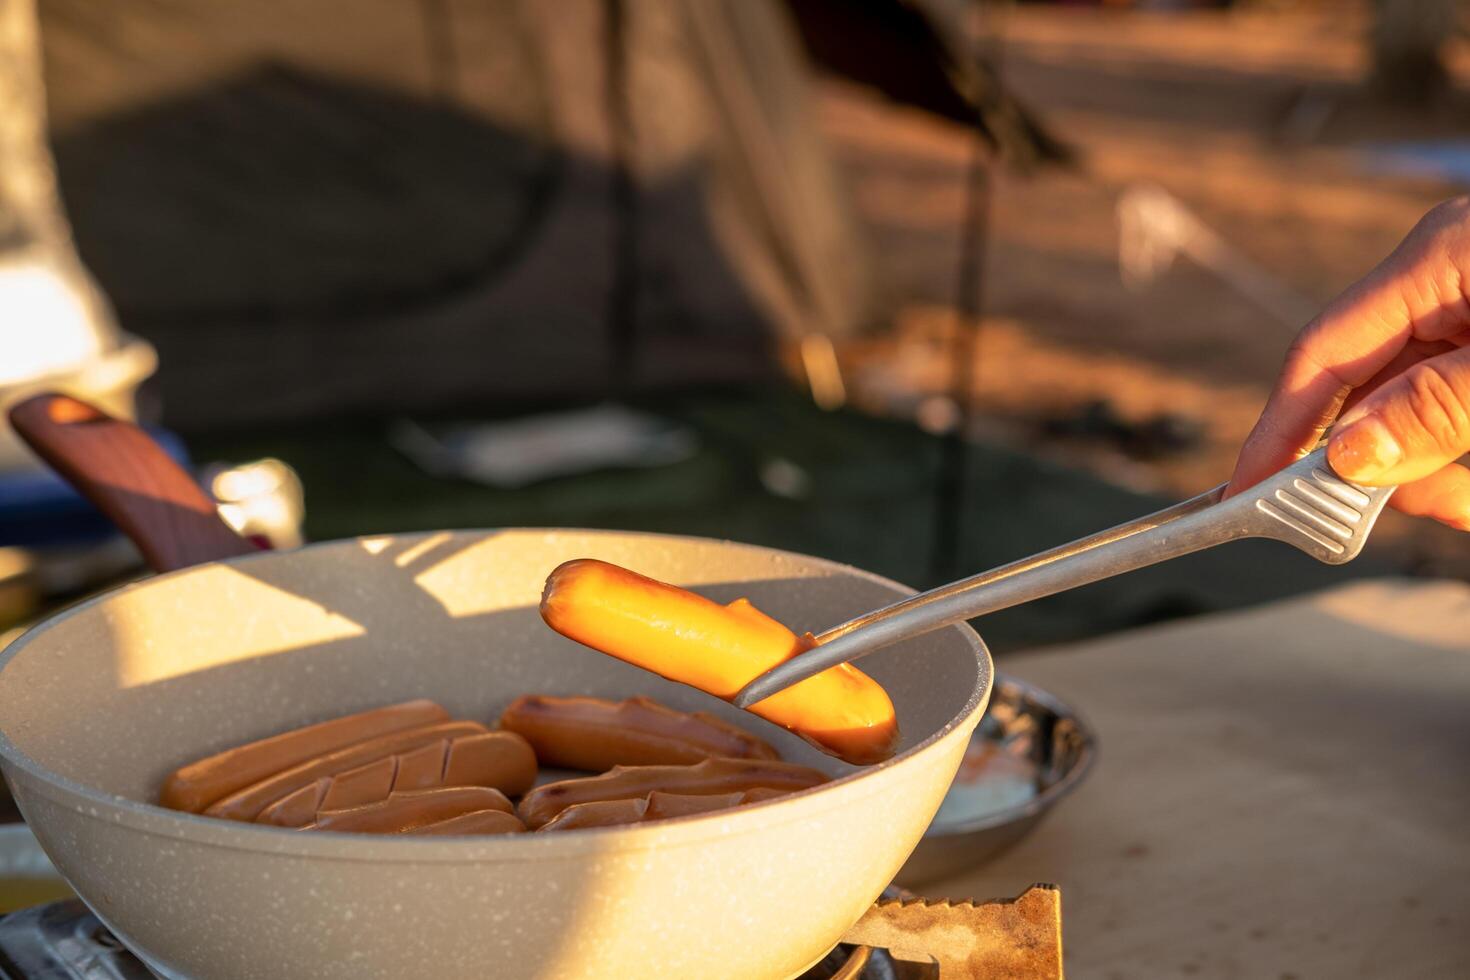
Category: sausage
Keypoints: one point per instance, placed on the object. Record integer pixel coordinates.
(660, 806)
(710, 777)
(478, 823)
(718, 649)
(404, 812)
(199, 784)
(247, 803)
(655, 806)
(500, 760)
(599, 813)
(762, 793)
(593, 734)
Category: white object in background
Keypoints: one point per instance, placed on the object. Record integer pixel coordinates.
(783, 478)
(46, 327)
(57, 330)
(523, 451)
(57, 334)
(1154, 227)
(263, 498)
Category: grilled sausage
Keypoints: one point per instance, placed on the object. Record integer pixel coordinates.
(406, 812)
(710, 777)
(247, 803)
(595, 735)
(199, 784)
(655, 806)
(718, 649)
(478, 823)
(500, 760)
(599, 813)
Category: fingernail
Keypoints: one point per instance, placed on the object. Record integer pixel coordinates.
(1358, 411)
(1364, 451)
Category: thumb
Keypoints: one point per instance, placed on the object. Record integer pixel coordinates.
(1414, 425)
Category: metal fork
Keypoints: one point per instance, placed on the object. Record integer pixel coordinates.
(1306, 505)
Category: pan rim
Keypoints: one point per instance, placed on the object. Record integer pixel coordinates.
(155, 820)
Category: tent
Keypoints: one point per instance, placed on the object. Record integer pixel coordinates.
(376, 206)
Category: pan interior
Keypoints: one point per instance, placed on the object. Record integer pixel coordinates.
(117, 692)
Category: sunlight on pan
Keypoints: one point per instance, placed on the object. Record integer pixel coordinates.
(414, 552)
(375, 546)
(471, 580)
(175, 626)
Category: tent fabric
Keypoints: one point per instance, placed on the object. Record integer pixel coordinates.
(378, 206)
(54, 321)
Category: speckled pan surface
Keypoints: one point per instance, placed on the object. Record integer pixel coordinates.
(97, 704)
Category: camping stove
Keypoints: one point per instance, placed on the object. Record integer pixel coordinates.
(1020, 939)
(64, 941)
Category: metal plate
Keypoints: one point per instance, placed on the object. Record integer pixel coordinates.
(973, 827)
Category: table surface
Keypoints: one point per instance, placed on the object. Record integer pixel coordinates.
(1281, 793)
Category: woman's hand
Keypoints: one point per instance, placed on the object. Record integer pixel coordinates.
(1392, 355)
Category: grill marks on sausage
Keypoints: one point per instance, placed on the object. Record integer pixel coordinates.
(414, 770)
(198, 785)
(477, 823)
(406, 812)
(710, 777)
(501, 760)
(250, 801)
(655, 806)
(402, 768)
(595, 735)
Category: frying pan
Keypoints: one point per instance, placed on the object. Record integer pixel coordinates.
(99, 702)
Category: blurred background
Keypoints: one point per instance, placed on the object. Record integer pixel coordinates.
(919, 285)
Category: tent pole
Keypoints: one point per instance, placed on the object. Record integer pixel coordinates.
(964, 350)
(440, 50)
(622, 299)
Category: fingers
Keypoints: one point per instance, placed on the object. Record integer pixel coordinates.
(1414, 352)
(1443, 496)
(1302, 406)
(1416, 293)
(1412, 426)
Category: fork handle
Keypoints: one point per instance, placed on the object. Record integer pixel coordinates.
(1144, 541)
(1194, 525)
(1158, 537)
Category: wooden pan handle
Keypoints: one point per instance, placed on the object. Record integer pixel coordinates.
(129, 477)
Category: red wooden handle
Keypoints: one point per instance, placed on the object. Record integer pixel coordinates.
(128, 476)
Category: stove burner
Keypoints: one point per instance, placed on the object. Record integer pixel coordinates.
(865, 963)
(64, 941)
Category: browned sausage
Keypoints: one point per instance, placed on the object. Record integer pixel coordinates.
(246, 804)
(477, 823)
(600, 813)
(593, 734)
(712, 776)
(655, 806)
(719, 649)
(500, 760)
(197, 785)
(403, 812)
(660, 806)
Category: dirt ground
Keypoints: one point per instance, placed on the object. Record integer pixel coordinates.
(1254, 122)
